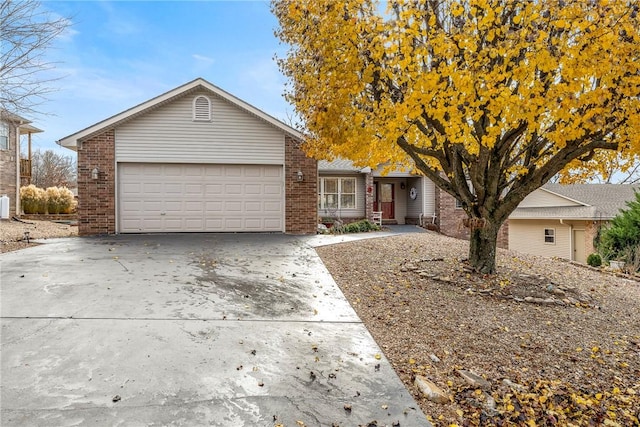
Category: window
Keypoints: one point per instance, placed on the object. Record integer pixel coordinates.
(201, 109)
(4, 136)
(337, 193)
(550, 235)
(458, 204)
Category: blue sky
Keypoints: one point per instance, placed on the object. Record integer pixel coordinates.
(118, 54)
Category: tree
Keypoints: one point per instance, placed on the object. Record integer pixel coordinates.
(50, 169)
(620, 240)
(488, 98)
(26, 33)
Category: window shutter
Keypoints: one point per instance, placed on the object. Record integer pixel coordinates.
(201, 109)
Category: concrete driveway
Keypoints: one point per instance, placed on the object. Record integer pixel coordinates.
(211, 329)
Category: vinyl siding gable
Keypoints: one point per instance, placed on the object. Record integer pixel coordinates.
(168, 134)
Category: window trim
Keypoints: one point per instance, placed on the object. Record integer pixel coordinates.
(4, 134)
(203, 115)
(552, 235)
(339, 194)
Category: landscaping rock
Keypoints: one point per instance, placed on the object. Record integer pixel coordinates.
(430, 390)
(474, 379)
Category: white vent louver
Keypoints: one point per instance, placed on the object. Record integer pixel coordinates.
(201, 109)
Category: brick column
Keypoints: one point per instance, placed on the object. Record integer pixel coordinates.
(301, 207)
(368, 196)
(97, 197)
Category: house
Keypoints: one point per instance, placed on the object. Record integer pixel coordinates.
(563, 220)
(15, 171)
(194, 159)
(348, 193)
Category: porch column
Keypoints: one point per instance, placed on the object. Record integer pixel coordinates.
(368, 196)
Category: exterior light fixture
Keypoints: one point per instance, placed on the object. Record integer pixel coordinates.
(300, 176)
(94, 173)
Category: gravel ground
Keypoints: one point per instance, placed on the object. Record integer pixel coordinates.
(12, 232)
(557, 343)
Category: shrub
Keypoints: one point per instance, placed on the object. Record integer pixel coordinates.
(621, 239)
(53, 200)
(357, 227)
(594, 260)
(33, 199)
(59, 200)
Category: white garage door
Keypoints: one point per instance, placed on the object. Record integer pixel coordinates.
(199, 198)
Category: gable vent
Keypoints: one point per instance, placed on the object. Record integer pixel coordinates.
(201, 109)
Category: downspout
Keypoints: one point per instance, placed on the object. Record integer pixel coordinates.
(17, 204)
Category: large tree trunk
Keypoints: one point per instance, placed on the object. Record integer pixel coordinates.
(483, 242)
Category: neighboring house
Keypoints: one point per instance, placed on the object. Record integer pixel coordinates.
(14, 170)
(194, 159)
(347, 192)
(563, 220)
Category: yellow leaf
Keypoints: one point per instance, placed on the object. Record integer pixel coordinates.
(412, 361)
(510, 407)
(378, 356)
(542, 399)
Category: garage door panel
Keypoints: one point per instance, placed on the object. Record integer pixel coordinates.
(272, 207)
(272, 189)
(199, 198)
(253, 207)
(234, 207)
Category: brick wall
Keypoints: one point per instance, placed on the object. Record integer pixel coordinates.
(450, 220)
(97, 198)
(368, 196)
(590, 232)
(301, 207)
(8, 171)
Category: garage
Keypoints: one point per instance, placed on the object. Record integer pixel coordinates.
(193, 159)
(200, 198)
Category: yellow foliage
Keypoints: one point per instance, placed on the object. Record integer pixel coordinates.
(526, 82)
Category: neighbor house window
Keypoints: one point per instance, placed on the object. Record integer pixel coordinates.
(201, 109)
(458, 204)
(550, 235)
(4, 136)
(337, 193)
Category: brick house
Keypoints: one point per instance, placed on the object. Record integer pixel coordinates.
(15, 171)
(194, 159)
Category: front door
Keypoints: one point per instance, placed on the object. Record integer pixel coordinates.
(578, 246)
(386, 195)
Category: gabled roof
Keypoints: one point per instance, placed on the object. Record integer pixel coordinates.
(24, 124)
(72, 140)
(593, 202)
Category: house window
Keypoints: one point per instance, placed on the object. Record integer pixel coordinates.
(458, 204)
(550, 235)
(337, 193)
(201, 109)
(4, 136)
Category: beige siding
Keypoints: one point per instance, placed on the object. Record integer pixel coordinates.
(169, 134)
(425, 201)
(429, 191)
(527, 236)
(543, 199)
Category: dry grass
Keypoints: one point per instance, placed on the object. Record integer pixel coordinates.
(568, 334)
(12, 233)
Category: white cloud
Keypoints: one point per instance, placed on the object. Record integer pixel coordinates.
(202, 58)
